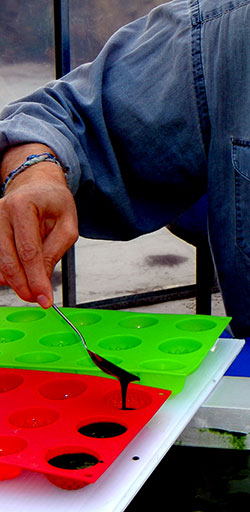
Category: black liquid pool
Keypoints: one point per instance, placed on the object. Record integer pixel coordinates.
(102, 429)
(73, 461)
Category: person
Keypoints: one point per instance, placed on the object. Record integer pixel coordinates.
(131, 141)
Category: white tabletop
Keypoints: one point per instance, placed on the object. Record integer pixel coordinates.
(32, 492)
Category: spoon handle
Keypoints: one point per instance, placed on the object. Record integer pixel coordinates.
(71, 325)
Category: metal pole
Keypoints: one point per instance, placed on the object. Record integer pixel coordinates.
(62, 66)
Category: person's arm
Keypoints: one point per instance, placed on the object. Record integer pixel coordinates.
(126, 128)
(38, 223)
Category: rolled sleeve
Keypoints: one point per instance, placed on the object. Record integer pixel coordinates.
(126, 126)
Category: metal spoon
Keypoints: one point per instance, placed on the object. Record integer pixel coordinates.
(106, 366)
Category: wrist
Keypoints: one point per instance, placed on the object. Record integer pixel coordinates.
(42, 161)
(16, 155)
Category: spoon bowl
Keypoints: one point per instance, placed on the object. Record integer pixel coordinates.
(106, 366)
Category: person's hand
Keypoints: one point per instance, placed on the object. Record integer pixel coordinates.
(38, 224)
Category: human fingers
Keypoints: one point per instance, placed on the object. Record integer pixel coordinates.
(11, 272)
(59, 239)
(3, 281)
(28, 244)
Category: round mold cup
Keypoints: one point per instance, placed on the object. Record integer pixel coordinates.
(87, 363)
(72, 458)
(180, 346)
(196, 324)
(119, 342)
(135, 399)
(59, 339)
(9, 381)
(26, 316)
(8, 472)
(37, 358)
(10, 335)
(162, 365)
(33, 417)
(11, 444)
(102, 429)
(68, 484)
(138, 322)
(62, 389)
(84, 318)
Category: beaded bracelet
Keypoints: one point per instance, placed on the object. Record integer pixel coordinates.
(30, 160)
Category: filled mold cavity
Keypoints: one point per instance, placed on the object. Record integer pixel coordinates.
(84, 318)
(33, 417)
(9, 381)
(10, 335)
(180, 346)
(119, 342)
(11, 444)
(138, 322)
(62, 389)
(136, 399)
(38, 357)
(196, 324)
(59, 339)
(162, 365)
(27, 316)
(102, 429)
(74, 459)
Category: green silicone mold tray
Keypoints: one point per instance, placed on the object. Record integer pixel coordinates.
(161, 349)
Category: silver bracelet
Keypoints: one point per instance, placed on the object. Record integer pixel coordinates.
(30, 160)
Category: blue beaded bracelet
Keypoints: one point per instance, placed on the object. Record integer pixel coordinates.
(30, 160)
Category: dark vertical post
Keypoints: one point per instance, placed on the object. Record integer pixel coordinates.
(205, 277)
(62, 66)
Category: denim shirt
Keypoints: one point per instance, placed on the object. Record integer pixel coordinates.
(128, 126)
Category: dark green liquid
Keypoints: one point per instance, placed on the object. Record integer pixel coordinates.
(73, 461)
(102, 429)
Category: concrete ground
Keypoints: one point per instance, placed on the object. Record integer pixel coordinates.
(111, 269)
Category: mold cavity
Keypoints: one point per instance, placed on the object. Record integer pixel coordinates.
(62, 389)
(8, 472)
(87, 362)
(9, 335)
(70, 484)
(119, 342)
(136, 399)
(162, 365)
(84, 318)
(73, 460)
(38, 357)
(138, 322)
(11, 444)
(196, 324)
(9, 381)
(179, 346)
(102, 429)
(30, 315)
(59, 339)
(33, 417)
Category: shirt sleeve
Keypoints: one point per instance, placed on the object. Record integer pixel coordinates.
(121, 125)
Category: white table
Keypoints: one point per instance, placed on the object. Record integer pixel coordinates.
(31, 492)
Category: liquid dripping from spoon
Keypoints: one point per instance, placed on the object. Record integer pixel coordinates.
(106, 366)
(123, 376)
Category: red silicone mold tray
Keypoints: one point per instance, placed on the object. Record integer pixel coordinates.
(68, 427)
